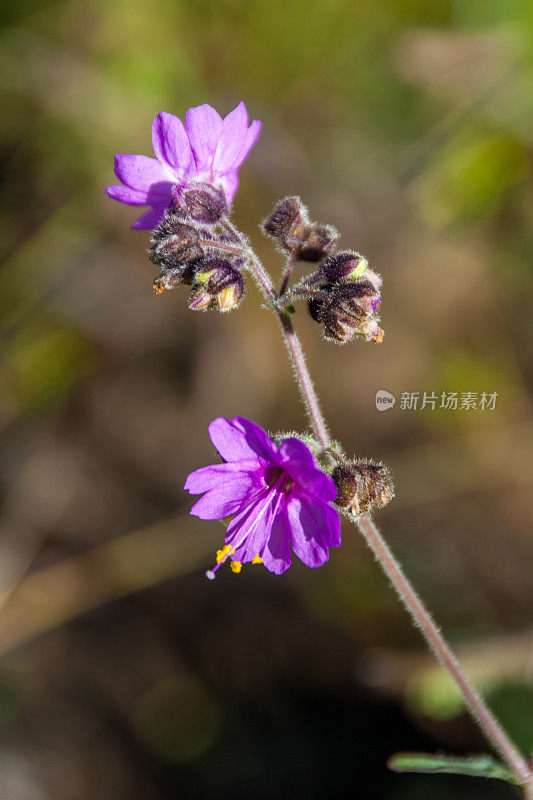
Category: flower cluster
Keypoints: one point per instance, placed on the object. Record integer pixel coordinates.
(347, 297)
(343, 293)
(278, 497)
(190, 185)
(190, 252)
(281, 492)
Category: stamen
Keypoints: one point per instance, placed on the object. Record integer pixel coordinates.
(221, 556)
(279, 484)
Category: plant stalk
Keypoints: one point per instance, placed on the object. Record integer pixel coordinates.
(441, 649)
(388, 562)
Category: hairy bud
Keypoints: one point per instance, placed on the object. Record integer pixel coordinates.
(346, 265)
(175, 247)
(316, 242)
(218, 283)
(347, 309)
(362, 486)
(200, 202)
(289, 223)
(173, 243)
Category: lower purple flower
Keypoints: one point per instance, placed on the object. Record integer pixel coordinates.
(278, 496)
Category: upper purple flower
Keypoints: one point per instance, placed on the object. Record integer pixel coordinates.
(204, 149)
(278, 496)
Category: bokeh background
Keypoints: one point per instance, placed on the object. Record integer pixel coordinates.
(123, 673)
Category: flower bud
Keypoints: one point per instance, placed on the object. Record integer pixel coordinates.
(362, 486)
(174, 246)
(287, 222)
(218, 283)
(200, 202)
(170, 278)
(316, 242)
(346, 265)
(348, 309)
(200, 299)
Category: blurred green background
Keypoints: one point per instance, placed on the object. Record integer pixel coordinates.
(123, 674)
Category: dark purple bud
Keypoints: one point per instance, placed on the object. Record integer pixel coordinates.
(316, 242)
(347, 310)
(200, 202)
(352, 296)
(219, 283)
(287, 223)
(346, 265)
(175, 245)
(362, 486)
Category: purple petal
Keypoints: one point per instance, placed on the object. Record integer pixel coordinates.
(276, 554)
(204, 128)
(315, 527)
(228, 497)
(299, 462)
(239, 439)
(229, 184)
(312, 481)
(206, 478)
(232, 140)
(150, 218)
(140, 172)
(249, 530)
(294, 450)
(126, 195)
(251, 138)
(171, 143)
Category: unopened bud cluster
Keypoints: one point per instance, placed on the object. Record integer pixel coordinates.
(347, 298)
(362, 486)
(343, 293)
(290, 225)
(187, 245)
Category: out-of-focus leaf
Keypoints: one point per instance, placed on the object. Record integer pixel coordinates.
(468, 180)
(43, 361)
(483, 766)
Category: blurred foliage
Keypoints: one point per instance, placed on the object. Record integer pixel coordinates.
(407, 125)
(474, 766)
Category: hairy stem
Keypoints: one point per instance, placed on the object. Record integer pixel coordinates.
(304, 379)
(418, 612)
(294, 347)
(291, 261)
(423, 620)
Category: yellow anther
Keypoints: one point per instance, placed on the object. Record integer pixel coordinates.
(235, 566)
(224, 552)
(257, 560)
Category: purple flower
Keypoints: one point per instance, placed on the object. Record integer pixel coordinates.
(279, 498)
(203, 149)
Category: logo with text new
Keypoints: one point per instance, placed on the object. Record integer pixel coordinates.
(384, 400)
